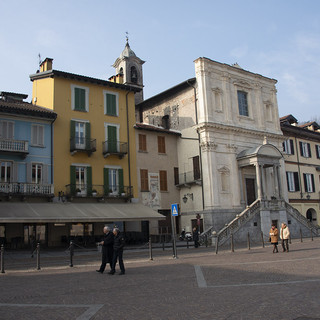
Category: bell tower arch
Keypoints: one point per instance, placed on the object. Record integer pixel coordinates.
(130, 66)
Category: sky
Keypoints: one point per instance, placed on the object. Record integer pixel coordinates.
(278, 39)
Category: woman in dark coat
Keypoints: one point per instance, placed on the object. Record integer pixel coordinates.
(107, 249)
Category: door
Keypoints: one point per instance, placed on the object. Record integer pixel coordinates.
(112, 139)
(250, 190)
(80, 130)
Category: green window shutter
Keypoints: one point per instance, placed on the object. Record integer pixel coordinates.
(111, 104)
(106, 181)
(72, 180)
(120, 176)
(88, 136)
(79, 99)
(112, 139)
(72, 135)
(89, 181)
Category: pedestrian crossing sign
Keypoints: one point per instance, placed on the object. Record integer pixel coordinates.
(174, 209)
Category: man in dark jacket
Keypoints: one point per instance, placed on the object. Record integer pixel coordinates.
(117, 251)
(107, 249)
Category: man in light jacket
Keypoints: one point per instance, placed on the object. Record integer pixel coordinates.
(284, 236)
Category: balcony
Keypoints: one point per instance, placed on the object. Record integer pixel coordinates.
(111, 147)
(186, 179)
(80, 144)
(26, 189)
(100, 192)
(15, 147)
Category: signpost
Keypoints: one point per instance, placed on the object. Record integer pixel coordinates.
(174, 213)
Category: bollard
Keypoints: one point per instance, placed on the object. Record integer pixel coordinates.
(206, 241)
(150, 249)
(262, 239)
(2, 258)
(38, 256)
(71, 253)
(248, 241)
(311, 234)
(163, 246)
(232, 244)
(217, 244)
(300, 234)
(187, 243)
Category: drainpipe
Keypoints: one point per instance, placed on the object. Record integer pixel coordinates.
(200, 156)
(128, 139)
(51, 151)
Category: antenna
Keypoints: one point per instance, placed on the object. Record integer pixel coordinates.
(39, 56)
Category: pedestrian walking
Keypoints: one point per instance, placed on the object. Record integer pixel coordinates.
(118, 252)
(195, 235)
(107, 249)
(274, 238)
(284, 236)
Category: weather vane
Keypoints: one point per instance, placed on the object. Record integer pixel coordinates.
(127, 36)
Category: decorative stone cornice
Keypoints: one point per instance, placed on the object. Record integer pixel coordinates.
(207, 146)
(232, 147)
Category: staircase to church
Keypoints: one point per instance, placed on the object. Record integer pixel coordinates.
(241, 219)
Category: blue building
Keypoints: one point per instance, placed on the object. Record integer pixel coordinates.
(26, 153)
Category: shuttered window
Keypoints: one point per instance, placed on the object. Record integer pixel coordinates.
(142, 142)
(37, 135)
(79, 99)
(308, 182)
(293, 181)
(144, 180)
(163, 180)
(111, 104)
(161, 144)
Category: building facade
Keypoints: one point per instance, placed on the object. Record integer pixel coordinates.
(301, 150)
(26, 159)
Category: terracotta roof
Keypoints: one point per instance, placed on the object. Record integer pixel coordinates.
(308, 124)
(26, 108)
(288, 119)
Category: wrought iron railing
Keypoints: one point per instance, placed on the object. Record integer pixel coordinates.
(188, 177)
(82, 144)
(114, 147)
(16, 188)
(89, 190)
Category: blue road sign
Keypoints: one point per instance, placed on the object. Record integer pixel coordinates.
(174, 209)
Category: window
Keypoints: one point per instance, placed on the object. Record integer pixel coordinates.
(80, 136)
(36, 173)
(6, 129)
(111, 144)
(196, 167)
(142, 142)
(111, 103)
(308, 182)
(176, 176)
(161, 144)
(293, 181)
(144, 180)
(134, 75)
(163, 180)
(288, 147)
(37, 135)
(79, 98)
(305, 149)
(318, 151)
(243, 103)
(113, 180)
(166, 122)
(81, 179)
(6, 171)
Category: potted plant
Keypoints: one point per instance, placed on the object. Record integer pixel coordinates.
(94, 192)
(78, 192)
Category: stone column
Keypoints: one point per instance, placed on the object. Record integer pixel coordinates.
(258, 178)
(275, 180)
(279, 182)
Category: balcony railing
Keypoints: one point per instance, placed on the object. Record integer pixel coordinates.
(111, 147)
(191, 177)
(17, 188)
(81, 144)
(14, 146)
(98, 191)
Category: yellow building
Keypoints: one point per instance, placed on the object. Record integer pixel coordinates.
(94, 145)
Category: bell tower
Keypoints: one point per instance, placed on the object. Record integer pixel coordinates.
(130, 66)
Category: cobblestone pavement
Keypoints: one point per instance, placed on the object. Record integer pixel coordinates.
(246, 284)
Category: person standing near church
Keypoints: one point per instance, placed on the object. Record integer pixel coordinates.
(284, 236)
(118, 252)
(274, 238)
(107, 249)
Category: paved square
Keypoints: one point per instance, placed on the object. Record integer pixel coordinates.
(255, 284)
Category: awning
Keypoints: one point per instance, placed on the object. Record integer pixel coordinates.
(11, 212)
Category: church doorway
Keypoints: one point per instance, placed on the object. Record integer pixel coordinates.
(250, 190)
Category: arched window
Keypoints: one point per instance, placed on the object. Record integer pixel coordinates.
(121, 71)
(134, 75)
(166, 122)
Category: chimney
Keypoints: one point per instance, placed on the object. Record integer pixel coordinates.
(46, 65)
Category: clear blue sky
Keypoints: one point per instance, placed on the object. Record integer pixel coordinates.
(279, 39)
